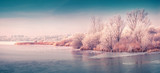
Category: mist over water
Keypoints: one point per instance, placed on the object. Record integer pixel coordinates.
(7, 43)
(49, 59)
(11, 42)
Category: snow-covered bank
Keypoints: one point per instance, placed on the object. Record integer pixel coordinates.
(7, 42)
(11, 42)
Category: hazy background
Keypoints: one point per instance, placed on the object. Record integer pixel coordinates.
(52, 17)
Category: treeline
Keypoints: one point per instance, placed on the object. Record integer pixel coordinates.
(133, 34)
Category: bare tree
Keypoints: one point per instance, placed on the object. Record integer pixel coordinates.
(97, 25)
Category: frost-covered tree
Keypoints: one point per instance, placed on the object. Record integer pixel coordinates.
(91, 39)
(112, 33)
(139, 24)
(117, 26)
(136, 16)
(107, 40)
(104, 37)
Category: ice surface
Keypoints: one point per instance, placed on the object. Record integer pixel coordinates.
(155, 61)
(112, 55)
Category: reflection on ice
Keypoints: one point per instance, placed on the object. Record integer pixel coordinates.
(129, 63)
(86, 52)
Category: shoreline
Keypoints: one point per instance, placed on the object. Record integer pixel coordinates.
(67, 44)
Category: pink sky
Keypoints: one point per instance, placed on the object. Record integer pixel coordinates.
(43, 25)
(48, 24)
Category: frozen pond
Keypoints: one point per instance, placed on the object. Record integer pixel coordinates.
(50, 59)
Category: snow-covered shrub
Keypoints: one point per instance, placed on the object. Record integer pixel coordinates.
(90, 41)
(77, 41)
